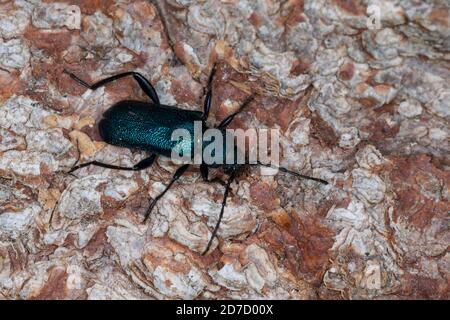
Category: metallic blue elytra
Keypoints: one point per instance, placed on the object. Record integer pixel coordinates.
(146, 126)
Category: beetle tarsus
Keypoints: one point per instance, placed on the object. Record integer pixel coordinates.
(292, 172)
(150, 208)
(74, 77)
(225, 122)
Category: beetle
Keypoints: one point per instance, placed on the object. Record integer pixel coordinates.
(148, 126)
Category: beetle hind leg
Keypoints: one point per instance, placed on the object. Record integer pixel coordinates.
(145, 85)
(141, 165)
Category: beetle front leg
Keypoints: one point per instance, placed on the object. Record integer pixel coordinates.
(180, 171)
(225, 122)
(204, 172)
(224, 202)
(141, 165)
(208, 97)
(145, 85)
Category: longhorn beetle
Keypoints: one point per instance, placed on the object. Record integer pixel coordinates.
(148, 126)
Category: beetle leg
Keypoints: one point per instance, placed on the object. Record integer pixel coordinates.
(225, 122)
(208, 97)
(141, 165)
(162, 13)
(180, 171)
(204, 172)
(224, 202)
(219, 181)
(145, 85)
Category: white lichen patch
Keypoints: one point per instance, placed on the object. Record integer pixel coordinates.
(368, 185)
(410, 109)
(12, 224)
(57, 15)
(173, 273)
(51, 141)
(299, 132)
(20, 113)
(27, 163)
(13, 23)
(98, 31)
(14, 54)
(127, 241)
(120, 188)
(192, 233)
(369, 157)
(278, 66)
(260, 271)
(441, 104)
(81, 198)
(230, 278)
(175, 285)
(10, 141)
(349, 137)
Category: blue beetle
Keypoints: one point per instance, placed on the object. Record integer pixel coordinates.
(148, 126)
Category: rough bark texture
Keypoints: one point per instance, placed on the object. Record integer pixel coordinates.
(366, 109)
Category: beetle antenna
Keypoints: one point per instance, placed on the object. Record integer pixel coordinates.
(290, 172)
